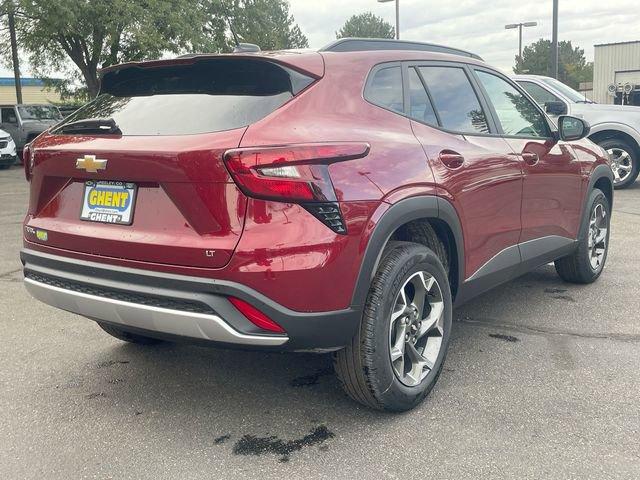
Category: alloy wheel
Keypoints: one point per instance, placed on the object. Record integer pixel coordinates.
(621, 164)
(416, 328)
(598, 229)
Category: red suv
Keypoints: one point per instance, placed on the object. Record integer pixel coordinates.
(333, 201)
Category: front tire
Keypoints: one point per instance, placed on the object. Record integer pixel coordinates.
(128, 336)
(624, 162)
(396, 357)
(586, 263)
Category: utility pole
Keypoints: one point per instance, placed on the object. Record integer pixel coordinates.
(554, 42)
(519, 26)
(14, 48)
(397, 15)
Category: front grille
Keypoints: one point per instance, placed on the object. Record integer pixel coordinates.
(122, 295)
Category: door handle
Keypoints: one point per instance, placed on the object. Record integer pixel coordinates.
(530, 158)
(451, 159)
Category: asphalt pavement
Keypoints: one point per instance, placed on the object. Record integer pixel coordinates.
(542, 381)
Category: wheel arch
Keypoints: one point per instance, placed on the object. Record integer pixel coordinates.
(603, 132)
(601, 177)
(441, 216)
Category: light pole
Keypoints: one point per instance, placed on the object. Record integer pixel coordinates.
(554, 41)
(397, 15)
(519, 26)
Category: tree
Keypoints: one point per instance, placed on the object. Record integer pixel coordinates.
(366, 25)
(78, 37)
(266, 23)
(572, 65)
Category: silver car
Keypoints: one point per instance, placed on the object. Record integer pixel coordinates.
(7, 150)
(615, 128)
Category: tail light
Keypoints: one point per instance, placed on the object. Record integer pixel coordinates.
(27, 161)
(255, 316)
(295, 173)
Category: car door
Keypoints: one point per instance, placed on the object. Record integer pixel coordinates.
(474, 168)
(9, 123)
(549, 101)
(553, 183)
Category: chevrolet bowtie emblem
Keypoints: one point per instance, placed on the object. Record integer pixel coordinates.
(90, 164)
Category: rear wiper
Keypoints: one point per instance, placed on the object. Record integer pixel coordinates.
(92, 125)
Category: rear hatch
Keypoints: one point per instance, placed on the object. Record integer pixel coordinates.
(138, 173)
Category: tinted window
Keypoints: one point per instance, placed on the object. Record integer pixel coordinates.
(539, 94)
(385, 89)
(9, 116)
(207, 96)
(455, 101)
(419, 103)
(39, 112)
(516, 113)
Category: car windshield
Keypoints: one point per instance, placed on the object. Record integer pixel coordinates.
(567, 91)
(39, 112)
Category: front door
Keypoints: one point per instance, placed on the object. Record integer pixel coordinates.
(552, 192)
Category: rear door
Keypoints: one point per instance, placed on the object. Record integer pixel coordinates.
(138, 173)
(552, 194)
(475, 168)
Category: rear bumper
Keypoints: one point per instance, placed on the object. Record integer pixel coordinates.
(175, 306)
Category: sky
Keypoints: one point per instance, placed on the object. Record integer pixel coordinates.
(475, 25)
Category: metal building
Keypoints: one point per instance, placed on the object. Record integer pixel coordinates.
(616, 73)
(33, 91)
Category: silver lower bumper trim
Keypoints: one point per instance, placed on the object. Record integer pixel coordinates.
(163, 320)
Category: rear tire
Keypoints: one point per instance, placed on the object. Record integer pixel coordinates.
(586, 263)
(625, 161)
(128, 336)
(396, 357)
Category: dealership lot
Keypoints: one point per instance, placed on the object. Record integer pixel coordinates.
(542, 381)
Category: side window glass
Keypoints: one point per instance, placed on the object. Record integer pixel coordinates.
(517, 115)
(455, 101)
(539, 94)
(9, 116)
(385, 89)
(419, 103)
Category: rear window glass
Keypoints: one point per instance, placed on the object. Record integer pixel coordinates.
(208, 96)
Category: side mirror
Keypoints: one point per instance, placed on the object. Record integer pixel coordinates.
(572, 128)
(555, 108)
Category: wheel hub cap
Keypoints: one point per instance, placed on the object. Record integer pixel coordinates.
(598, 229)
(416, 328)
(621, 164)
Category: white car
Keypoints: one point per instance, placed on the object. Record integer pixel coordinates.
(616, 128)
(7, 150)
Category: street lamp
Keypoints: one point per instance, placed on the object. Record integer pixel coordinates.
(519, 27)
(397, 15)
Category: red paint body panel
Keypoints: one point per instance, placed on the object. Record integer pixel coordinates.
(188, 204)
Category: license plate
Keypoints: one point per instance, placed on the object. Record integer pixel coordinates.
(108, 202)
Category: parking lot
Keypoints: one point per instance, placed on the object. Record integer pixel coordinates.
(542, 381)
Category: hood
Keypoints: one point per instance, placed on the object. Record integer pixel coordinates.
(596, 113)
(41, 125)
(4, 134)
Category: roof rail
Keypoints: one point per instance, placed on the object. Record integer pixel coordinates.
(369, 44)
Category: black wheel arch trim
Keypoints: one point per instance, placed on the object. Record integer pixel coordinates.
(407, 210)
(600, 171)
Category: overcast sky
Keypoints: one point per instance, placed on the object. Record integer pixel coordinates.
(477, 25)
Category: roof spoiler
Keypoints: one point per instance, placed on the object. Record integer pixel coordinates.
(372, 44)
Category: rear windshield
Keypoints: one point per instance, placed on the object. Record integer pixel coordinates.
(208, 96)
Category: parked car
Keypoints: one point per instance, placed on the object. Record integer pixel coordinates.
(7, 150)
(616, 128)
(338, 201)
(26, 122)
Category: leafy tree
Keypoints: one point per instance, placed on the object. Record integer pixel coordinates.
(78, 37)
(266, 23)
(366, 25)
(572, 65)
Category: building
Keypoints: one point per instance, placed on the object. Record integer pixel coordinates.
(33, 91)
(614, 66)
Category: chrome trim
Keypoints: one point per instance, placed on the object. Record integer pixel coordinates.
(163, 320)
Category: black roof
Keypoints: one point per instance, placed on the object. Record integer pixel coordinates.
(370, 44)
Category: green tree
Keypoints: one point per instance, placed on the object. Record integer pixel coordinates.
(78, 37)
(366, 25)
(572, 65)
(266, 23)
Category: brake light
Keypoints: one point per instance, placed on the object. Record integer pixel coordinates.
(255, 316)
(27, 161)
(297, 173)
